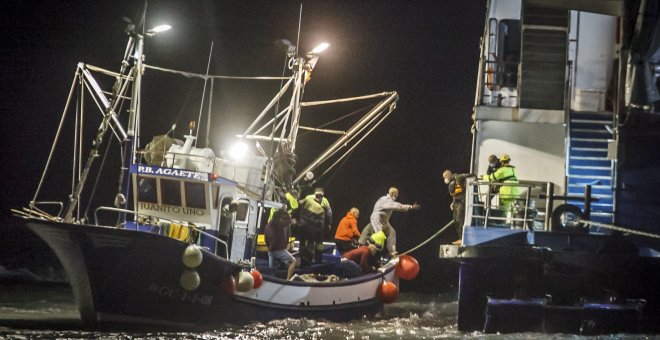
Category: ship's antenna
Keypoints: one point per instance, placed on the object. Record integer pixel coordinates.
(201, 106)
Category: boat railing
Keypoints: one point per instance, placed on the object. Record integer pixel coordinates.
(226, 246)
(118, 210)
(157, 226)
(36, 204)
(488, 206)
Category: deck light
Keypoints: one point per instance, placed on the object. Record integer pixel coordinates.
(238, 150)
(158, 29)
(320, 48)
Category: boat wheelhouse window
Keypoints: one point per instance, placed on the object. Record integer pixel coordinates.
(195, 195)
(147, 191)
(170, 192)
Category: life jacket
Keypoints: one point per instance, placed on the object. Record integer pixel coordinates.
(458, 189)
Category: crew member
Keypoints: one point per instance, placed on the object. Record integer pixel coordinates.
(380, 217)
(277, 240)
(315, 219)
(505, 174)
(347, 231)
(456, 187)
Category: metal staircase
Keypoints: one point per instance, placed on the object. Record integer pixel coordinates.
(588, 162)
(543, 57)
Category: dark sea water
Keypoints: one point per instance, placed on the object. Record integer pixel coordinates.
(46, 311)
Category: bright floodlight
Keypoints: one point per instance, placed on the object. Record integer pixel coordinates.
(160, 28)
(238, 150)
(320, 48)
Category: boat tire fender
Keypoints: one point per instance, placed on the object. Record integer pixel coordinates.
(562, 216)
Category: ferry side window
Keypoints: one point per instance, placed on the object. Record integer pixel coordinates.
(147, 191)
(170, 192)
(195, 195)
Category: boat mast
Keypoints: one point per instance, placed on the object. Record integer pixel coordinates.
(130, 143)
(109, 118)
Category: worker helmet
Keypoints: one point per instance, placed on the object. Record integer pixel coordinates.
(378, 239)
(505, 158)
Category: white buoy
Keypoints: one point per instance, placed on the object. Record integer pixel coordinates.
(192, 256)
(245, 282)
(189, 280)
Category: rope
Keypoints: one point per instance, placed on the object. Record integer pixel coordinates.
(430, 238)
(202, 76)
(621, 229)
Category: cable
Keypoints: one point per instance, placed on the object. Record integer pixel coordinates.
(429, 239)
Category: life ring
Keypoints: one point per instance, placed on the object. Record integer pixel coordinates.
(563, 217)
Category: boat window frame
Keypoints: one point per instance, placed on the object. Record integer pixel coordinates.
(156, 190)
(162, 193)
(189, 196)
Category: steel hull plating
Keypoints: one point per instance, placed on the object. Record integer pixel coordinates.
(589, 289)
(126, 277)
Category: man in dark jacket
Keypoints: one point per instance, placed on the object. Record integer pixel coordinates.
(456, 186)
(277, 240)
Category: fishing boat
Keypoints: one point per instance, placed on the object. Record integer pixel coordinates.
(178, 248)
(568, 91)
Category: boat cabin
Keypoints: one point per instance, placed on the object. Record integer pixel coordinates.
(183, 195)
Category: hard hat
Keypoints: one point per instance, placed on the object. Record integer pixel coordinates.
(378, 239)
(505, 158)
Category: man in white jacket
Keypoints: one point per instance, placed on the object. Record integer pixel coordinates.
(380, 217)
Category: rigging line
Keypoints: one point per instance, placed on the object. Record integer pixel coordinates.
(208, 116)
(330, 131)
(350, 150)
(617, 228)
(98, 177)
(429, 239)
(201, 106)
(101, 109)
(332, 177)
(185, 102)
(57, 136)
(349, 99)
(299, 27)
(340, 118)
(201, 76)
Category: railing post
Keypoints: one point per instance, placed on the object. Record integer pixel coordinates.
(549, 193)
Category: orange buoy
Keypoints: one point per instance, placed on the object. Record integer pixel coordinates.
(388, 292)
(228, 284)
(407, 268)
(258, 279)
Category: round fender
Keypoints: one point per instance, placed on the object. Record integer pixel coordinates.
(258, 279)
(407, 268)
(192, 256)
(563, 219)
(189, 280)
(388, 292)
(228, 284)
(245, 282)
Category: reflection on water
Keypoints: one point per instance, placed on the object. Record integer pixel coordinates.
(42, 312)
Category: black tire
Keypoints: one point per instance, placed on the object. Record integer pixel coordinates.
(567, 209)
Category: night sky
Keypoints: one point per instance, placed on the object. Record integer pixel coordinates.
(425, 50)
